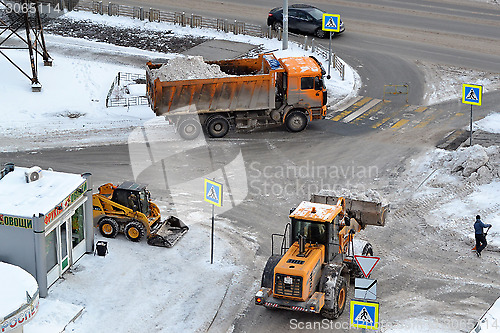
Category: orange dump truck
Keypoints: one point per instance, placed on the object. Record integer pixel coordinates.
(256, 92)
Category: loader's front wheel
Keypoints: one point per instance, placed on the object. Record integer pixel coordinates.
(189, 129)
(108, 227)
(134, 231)
(268, 273)
(338, 296)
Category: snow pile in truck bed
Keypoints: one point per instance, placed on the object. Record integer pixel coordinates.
(368, 195)
(187, 68)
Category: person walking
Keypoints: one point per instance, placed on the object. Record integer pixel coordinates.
(480, 236)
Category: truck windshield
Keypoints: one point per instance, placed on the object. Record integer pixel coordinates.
(314, 232)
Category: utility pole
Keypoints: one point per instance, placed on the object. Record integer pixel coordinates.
(285, 25)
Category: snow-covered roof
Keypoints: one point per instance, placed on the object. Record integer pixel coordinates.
(19, 198)
(315, 211)
(300, 66)
(14, 291)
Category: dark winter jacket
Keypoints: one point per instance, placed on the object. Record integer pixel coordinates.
(479, 225)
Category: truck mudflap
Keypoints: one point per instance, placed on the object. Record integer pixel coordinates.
(167, 233)
(313, 305)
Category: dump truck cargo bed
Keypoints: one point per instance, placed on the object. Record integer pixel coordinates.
(248, 86)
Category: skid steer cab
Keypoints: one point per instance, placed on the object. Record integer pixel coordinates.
(128, 209)
(311, 274)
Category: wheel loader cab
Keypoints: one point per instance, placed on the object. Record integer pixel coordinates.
(134, 196)
(319, 225)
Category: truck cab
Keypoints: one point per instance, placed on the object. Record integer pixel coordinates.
(305, 87)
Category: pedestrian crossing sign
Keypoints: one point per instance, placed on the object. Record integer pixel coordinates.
(213, 192)
(472, 94)
(331, 22)
(364, 314)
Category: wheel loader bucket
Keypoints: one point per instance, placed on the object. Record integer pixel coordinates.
(365, 212)
(168, 232)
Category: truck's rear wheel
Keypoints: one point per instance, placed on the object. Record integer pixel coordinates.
(134, 231)
(338, 296)
(108, 227)
(268, 273)
(295, 121)
(217, 126)
(189, 129)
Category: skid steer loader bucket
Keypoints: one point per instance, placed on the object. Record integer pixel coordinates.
(167, 233)
(365, 212)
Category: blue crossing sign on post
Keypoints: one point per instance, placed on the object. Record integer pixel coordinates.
(364, 314)
(331, 22)
(472, 94)
(213, 192)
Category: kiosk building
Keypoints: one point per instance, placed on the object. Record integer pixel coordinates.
(46, 222)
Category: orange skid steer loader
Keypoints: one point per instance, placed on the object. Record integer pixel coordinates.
(128, 209)
(311, 274)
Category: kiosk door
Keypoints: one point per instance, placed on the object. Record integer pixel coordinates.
(64, 245)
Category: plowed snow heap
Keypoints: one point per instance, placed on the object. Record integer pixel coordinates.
(187, 68)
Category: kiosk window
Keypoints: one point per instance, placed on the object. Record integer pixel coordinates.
(307, 83)
(77, 226)
(51, 250)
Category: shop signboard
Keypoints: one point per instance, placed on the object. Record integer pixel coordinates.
(66, 203)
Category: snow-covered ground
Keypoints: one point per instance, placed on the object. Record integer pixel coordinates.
(473, 169)
(71, 111)
(140, 288)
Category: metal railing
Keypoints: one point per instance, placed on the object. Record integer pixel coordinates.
(396, 89)
(121, 77)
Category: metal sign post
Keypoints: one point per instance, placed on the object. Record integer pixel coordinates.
(285, 25)
(471, 94)
(364, 308)
(213, 195)
(330, 23)
(329, 54)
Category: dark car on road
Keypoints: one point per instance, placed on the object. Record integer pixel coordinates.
(301, 18)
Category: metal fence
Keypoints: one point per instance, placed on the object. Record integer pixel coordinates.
(198, 21)
(120, 78)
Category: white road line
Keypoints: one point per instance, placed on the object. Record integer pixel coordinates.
(362, 110)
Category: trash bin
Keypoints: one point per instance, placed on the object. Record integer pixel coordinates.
(101, 247)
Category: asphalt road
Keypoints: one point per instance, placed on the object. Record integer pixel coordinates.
(384, 38)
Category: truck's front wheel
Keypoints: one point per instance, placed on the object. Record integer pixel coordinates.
(295, 121)
(189, 129)
(217, 126)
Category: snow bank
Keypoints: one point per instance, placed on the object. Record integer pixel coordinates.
(490, 123)
(475, 163)
(187, 68)
(462, 184)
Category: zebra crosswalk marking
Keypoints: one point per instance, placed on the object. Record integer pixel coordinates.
(370, 112)
(426, 121)
(361, 110)
(400, 123)
(351, 108)
(421, 109)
